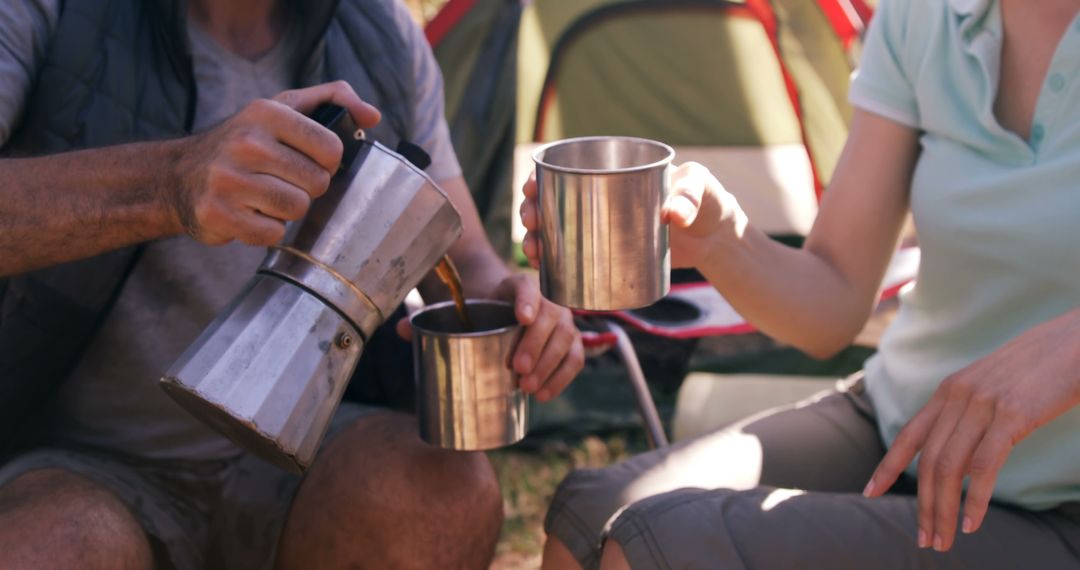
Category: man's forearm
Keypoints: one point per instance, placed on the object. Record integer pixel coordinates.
(74, 205)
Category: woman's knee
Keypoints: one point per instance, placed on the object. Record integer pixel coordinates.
(557, 556)
(592, 495)
(613, 557)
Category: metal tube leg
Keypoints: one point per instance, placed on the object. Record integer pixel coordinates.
(654, 430)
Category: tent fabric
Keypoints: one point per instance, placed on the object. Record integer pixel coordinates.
(607, 80)
(475, 44)
(808, 47)
(496, 58)
(696, 74)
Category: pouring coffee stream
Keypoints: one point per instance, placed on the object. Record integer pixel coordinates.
(448, 274)
(333, 117)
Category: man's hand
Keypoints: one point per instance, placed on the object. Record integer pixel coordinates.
(975, 418)
(549, 354)
(247, 177)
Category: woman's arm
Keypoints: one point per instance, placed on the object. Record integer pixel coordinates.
(819, 297)
(816, 298)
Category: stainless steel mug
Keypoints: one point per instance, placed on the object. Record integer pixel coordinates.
(468, 396)
(603, 246)
(270, 370)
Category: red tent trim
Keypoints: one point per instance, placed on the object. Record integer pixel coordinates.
(451, 13)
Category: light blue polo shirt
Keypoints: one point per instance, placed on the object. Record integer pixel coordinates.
(998, 218)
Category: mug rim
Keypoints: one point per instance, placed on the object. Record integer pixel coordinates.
(475, 334)
(539, 151)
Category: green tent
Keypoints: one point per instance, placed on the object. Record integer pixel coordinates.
(754, 89)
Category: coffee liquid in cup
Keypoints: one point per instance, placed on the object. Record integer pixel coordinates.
(449, 275)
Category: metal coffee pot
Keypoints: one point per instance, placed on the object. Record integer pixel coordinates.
(271, 368)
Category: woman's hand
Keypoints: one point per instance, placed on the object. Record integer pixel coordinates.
(698, 210)
(975, 418)
(700, 213)
(530, 218)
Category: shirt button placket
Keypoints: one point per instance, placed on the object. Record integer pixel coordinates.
(1056, 82)
(1038, 131)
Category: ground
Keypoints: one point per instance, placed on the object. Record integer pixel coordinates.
(528, 480)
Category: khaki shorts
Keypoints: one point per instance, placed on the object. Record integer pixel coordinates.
(197, 514)
(782, 490)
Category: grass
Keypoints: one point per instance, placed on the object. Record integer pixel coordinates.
(529, 479)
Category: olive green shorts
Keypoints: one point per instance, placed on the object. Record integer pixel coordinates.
(782, 489)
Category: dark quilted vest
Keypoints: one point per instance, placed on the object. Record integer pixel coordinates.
(120, 71)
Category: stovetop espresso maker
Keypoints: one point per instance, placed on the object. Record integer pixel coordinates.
(271, 368)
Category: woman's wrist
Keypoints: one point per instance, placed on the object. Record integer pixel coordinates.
(732, 246)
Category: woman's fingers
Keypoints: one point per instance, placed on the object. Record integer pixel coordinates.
(986, 461)
(529, 188)
(530, 218)
(955, 434)
(950, 468)
(933, 456)
(532, 249)
(903, 450)
(687, 191)
(528, 215)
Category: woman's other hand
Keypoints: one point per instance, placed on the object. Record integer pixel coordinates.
(973, 421)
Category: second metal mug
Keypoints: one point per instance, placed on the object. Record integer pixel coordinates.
(603, 246)
(468, 397)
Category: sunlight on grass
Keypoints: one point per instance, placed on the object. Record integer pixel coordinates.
(529, 479)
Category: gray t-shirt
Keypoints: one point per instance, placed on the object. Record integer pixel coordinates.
(112, 399)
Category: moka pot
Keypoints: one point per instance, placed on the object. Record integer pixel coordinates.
(271, 368)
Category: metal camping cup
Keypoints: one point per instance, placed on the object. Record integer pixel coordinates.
(603, 246)
(270, 370)
(468, 396)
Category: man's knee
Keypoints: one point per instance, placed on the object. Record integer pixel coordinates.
(378, 494)
(419, 474)
(52, 518)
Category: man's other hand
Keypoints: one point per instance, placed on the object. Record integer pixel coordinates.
(549, 354)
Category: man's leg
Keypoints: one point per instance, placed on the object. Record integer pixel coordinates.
(52, 518)
(378, 497)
